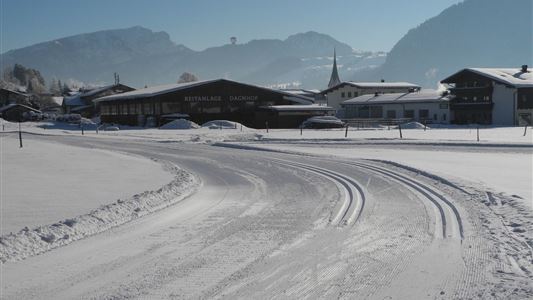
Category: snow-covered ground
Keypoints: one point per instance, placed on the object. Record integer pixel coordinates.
(316, 222)
(46, 182)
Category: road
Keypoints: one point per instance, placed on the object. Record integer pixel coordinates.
(273, 225)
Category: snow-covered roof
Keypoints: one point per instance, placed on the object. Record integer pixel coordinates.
(383, 84)
(299, 108)
(15, 92)
(74, 101)
(373, 85)
(98, 90)
(9, 106)
(514, 77)
(169, 88)
(58, 100)
(422, 96)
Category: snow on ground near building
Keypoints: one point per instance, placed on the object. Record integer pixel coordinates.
(45, 182)
(507, 172)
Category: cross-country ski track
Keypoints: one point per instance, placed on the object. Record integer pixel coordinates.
(275, 225)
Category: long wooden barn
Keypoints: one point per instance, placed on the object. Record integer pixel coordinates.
(204, 101)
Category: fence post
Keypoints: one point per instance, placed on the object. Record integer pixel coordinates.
(525, 130)
(478, 133)
(20, 136)
(241, 127)
(346, 132)
(82, 133)
(266, 125)
(400, 128)
(424, 125)
(301, 130)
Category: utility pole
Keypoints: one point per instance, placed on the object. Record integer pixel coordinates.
(20, 135)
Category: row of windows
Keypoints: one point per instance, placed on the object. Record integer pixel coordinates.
(376, 112)
(208, 107)
(355, 94)
(473, 98)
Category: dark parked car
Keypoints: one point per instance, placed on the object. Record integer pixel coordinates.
(321, 122)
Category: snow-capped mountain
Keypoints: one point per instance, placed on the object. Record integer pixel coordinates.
(143, 57)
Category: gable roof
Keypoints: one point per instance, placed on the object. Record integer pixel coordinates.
(169, 88)
(415, 97)
(94, 91)
(373, 85)
(13, 105)
(510, 76)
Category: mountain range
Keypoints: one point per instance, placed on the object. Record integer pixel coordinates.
(474, 33)
(143, 57)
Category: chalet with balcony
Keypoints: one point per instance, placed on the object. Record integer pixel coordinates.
(491, 96)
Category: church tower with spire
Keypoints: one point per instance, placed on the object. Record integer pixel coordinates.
(334, 80)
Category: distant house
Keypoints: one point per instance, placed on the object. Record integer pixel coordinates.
(492, 96)
(8, 96)
(426, 106)
(313, 94)
(348, 90)
(15, 112)
(82, 102)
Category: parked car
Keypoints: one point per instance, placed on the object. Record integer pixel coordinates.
(321, 122)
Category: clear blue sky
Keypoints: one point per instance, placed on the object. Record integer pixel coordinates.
(363, 24)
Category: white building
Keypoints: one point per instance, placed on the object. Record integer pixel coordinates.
(492, 96)
(348, 90)
(428, 106)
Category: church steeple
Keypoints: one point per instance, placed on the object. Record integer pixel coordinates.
(334, 80)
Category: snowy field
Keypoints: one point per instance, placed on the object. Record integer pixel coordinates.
(45, 182)
(310, 217)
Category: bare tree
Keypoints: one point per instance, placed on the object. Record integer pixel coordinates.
(187, 77)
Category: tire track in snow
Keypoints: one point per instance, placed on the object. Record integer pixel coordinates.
(354, 200)
(450, 220)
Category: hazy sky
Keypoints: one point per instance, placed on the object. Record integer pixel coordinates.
(198, 24)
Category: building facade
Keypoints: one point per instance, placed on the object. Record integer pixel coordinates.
(82, 102)
(425, 106)
(348, 90)
(491, 96)
(202, 101)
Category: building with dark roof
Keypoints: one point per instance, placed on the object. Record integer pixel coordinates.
(8, 96)
(203, 101)
(82, 102)
(426, 106)
(16, 112)
(491, 96)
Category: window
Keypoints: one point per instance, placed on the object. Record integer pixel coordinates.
(409, 113)
(342, 95)
(364, 112)
(349, 94)
(355, 94)
(525, 102)
(147, 108)
(104, 110)
(391, 114)
(444, 117)
(435, 117)
(132, 108)
(376, 112)
(423, 114)
(443, 106)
